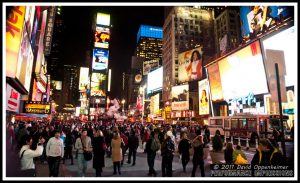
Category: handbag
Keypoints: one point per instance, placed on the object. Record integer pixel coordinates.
(88, 155)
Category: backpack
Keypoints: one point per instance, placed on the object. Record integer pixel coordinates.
(154, 145)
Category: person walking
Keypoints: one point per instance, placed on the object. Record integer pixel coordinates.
(99, 152)
(184, 150)
(69, 142)
(125, 147)
(167, 153)
(116, 148)
(54, 152)
(133, 144)
(82, 144)
(228, 153)
(27, 154)
(198, 145)
(152, 146)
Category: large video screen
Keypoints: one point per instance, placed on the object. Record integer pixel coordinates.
(102, 37)
(180, 97)
(285, 41)
(103, 19)
(83, 78)
(243, 72)
(259, 19)
(190, 65)
(150, 65)
(98, 84)
(155, 80)
(100, 59)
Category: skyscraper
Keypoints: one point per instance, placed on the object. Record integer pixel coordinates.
(70, 85)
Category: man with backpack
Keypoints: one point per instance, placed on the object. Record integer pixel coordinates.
(152, 146)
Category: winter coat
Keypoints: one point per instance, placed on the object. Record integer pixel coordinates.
(98, 159)
(116, 149)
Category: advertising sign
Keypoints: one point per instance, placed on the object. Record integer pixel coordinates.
(37, 107)
(259, 19)
(215, 82)
(40, 62)
(83, 78)
(154, 104)
(100, 100)
(56, 85)
(203, 97)
(150, 65)
(138, 78)
(139, 104)
(190, 65)
(100, 59)
(14, 29)
(102, 37)
(35, 27)
(12, 99)
(180, 97)
(29, 17)
(243, 72)
(98, 84)
(49, 30)
(155, 80)
(103, 19)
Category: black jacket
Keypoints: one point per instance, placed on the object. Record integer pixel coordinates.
(133, 142)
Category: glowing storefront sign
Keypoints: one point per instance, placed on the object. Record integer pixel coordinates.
(37, 107)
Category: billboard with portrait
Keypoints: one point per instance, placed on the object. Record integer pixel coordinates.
(180, 97)
(150, 65)
(243, 72)
(203, 97)
(100, 59)
(190, 65)
(215, 82)
(154, 104)
(14, 22)
(102, 37)
(56, 85)
(155, 80)
(83, 78)
(98, 84)
(259, 19)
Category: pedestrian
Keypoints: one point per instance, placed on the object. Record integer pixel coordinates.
(54, 152)
(228, 153)
(27, 154)
(167, 153)
(83, 143)
(69, 142)
(133, 144)
(98, 144)
(207, 134)
(184, 150)
(152, 146)
(116, 151)
(125, 147)
(198, 145)
(235, 156)
(146, 137)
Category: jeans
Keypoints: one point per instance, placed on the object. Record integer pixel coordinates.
(185, 158)
(150, 160)
(124, 149)
(82, 165)
(167, 166)
(53, 163)
(132, 151)
(195, 165)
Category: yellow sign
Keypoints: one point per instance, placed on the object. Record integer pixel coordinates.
(14, 27)
(37, 108)
(103, 19)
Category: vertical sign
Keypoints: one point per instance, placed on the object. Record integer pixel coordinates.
(12, 99)
(203, 97)
(49, 30)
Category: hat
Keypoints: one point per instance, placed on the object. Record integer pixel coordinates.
(169, 133)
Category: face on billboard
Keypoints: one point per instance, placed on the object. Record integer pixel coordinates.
(100, 59)
(180, 97)
(155, 80)
(258, 19)
(154, 104)
(84, 78)
(102, 37)
(203, 97)
(243, 72)
(215, 82)
(98, 84)
(190, 65)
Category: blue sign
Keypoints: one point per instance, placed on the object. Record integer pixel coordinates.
(150, 31)
(100, 59)
(288, 111)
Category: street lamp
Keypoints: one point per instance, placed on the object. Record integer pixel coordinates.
(123, 102)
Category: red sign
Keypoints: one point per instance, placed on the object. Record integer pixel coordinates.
(12, 99)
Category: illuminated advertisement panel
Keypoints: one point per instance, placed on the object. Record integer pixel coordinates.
(150, 31)
(100, 59)
(102, 37)
(154, 104)
(243, 72)
(56, 85)
(103, 19)
(190, 65)
(155, 80)
(150, 65)
(14, 29)
(49, 30)
(36, 94)
(98, 81)
(83, 78)
(12, 99)
(29, 17)
(180, 97)
(259, 19)
(203, 97)
(40, 54)
(35, 27)
(37, 107)
(215, 82)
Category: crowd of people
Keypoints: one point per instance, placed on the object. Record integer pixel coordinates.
(54, 142)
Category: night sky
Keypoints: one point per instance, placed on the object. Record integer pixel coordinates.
(125, 21)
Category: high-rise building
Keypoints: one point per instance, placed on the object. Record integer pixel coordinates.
(70, 85)
(227, 30)
(185, 28)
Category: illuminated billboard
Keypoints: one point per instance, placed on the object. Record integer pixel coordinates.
(150, 31)
(35, 27)
(29, 18)
(103, 19)
(203, 97)
(243, 72)
(56, 85)
(180, 97)
(154, 104)
(102, 37)
(155, 80)
(12, 99)
(190, 65)
(49, 30)
(100, 59)
(37, 107)
(215, 82)
(260, 19)
(98, 82)
(150, 65)
(14, 29)
(83, 78)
